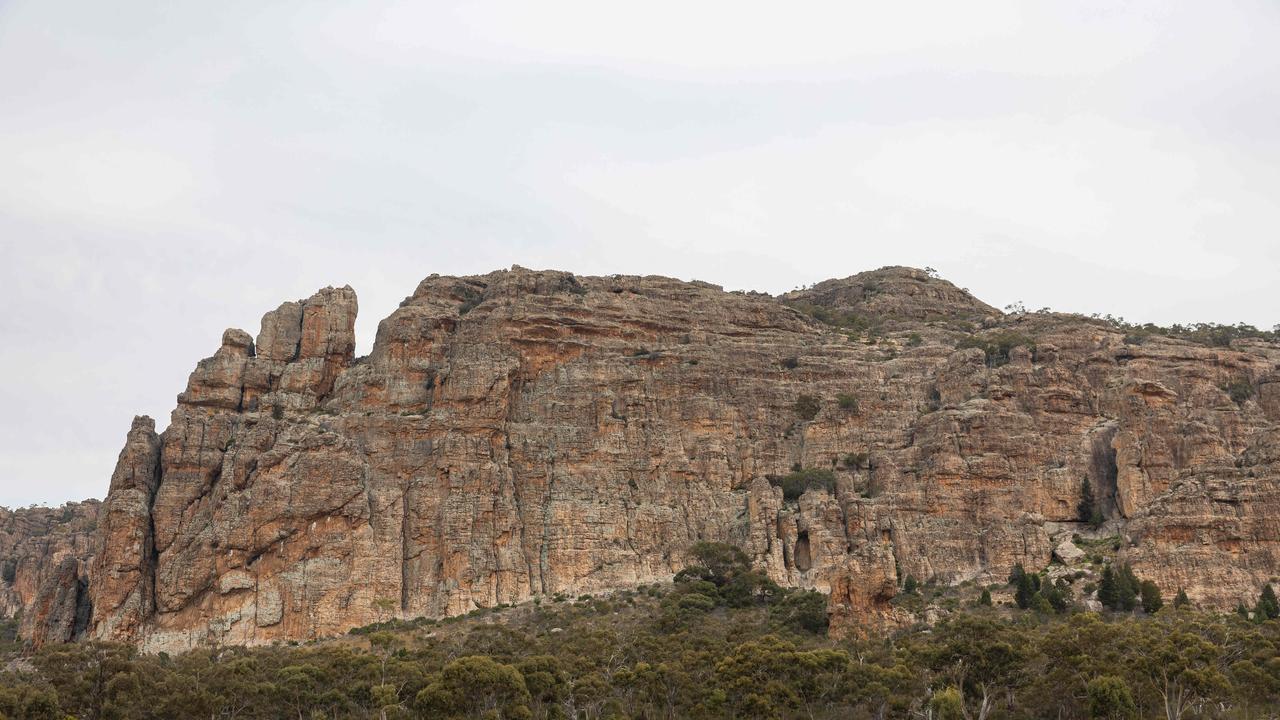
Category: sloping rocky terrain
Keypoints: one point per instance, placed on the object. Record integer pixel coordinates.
(524, 434)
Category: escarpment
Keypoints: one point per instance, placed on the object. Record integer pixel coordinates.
(523, 434)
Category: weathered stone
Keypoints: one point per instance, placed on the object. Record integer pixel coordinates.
(34, 543)
(522, 434)
(1067, 552)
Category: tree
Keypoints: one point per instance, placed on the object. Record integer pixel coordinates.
(721, 560)
(1181, 600)
(1110, 698)
(985, 659)
(1087, 509)
(1025, 592)
(1151, 600)
(1126, 588)
(1016, 573)
(1057, 595)
(947, 704)
(1268, 608)
(1119, 588)
(475, 686)
(910, 585)
(803, 610)
(984, 600)
(1107, 592)
(1178, 660)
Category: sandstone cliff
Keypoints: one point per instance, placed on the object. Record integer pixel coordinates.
(526, 433)
(44, 557)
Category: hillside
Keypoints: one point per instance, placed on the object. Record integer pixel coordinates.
(521, 435)
(711, 646)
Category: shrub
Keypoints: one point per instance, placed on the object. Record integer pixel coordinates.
(1110, 698)
(997, 347)
(1016, 573)
(796, 483)
(803, 610)
(789, 363)
(1151, 599)
(696, 602)
(1239, 390)
(947, 704)
(807, 407)
(935, 399)
(856, 461)
(914, 340)
(1058, 595)
(721, 560)
(910, 585)
(849, 320)
(847, 402)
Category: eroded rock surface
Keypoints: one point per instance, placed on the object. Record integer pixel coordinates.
(527, 433)
(44, 557)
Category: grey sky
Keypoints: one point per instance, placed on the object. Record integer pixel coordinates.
(168, 170)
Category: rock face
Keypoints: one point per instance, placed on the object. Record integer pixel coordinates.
(44, 562)
(526, 433)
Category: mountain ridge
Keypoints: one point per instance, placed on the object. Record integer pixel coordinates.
(524, 433)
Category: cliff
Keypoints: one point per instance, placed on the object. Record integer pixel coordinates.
(522, 434)
(44, 557)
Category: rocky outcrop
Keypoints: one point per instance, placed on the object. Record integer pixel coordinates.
(892, 297)
(123, 571)
(44, 555)
(524, 433)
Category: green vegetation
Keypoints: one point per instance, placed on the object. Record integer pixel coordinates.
(795, 484)
(807, 407)
(847, 402)
(910, 586)
(721, 641)
(1118, 589)
(827, 316)
(1209, 334)
(1238, 390)
(856, 461)
(1087, 509)
(997, 346)
(1267, 608)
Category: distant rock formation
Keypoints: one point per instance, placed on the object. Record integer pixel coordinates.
(522, 434)
(44, 559)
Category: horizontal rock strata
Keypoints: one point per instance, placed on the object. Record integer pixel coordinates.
(522, 434)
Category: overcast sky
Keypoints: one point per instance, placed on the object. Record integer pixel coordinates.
(171, 169)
